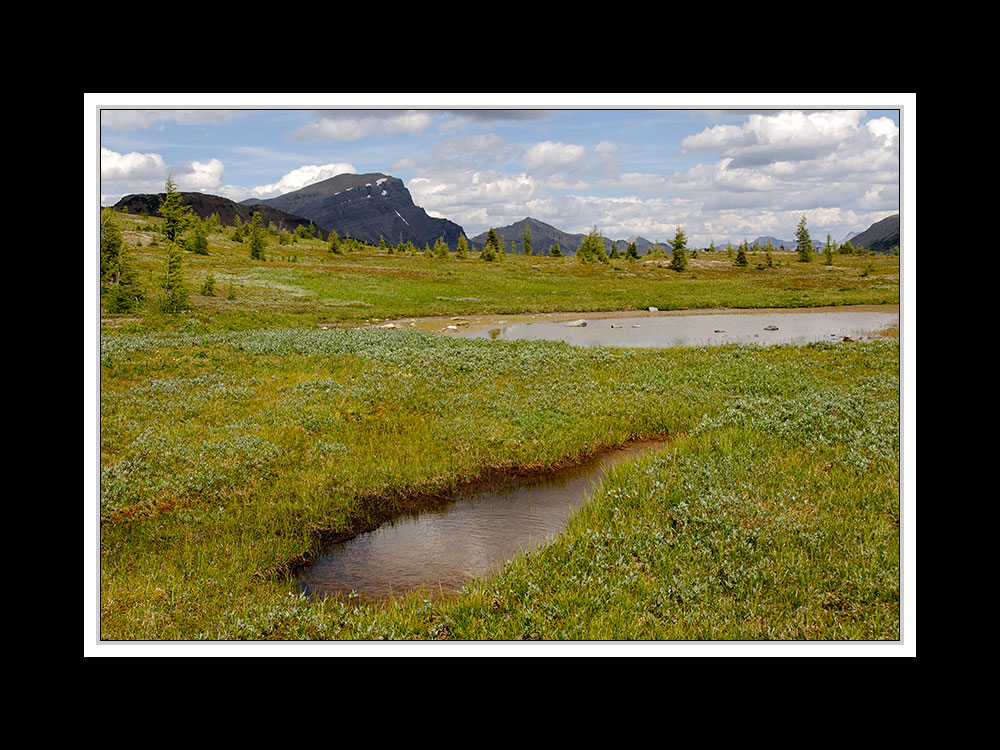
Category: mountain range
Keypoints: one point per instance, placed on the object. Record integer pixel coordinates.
(204, 205)
(375, 206)
(368, 207)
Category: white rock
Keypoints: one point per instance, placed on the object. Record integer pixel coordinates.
(577, 324)
(653, 309)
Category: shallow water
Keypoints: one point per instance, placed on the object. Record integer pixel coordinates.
(441, 549)
(762, 328)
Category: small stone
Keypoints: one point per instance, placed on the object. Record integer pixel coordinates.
(770, 328)
(577, 324)
(653, 309)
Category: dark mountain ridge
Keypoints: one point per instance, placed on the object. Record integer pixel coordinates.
(204, 205)
(368, 207)
(881, 237)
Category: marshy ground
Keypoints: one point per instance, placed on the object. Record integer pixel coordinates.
(279, 412)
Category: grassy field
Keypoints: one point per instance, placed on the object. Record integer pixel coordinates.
(238, 436)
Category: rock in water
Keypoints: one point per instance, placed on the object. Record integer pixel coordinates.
(577, 324)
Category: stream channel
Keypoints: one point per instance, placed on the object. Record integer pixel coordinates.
(440, 549)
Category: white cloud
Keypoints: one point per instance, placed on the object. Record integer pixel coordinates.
(348, 125)
(788, 136)
(132, 166)
(550, 156)
(198, 176)
(298, 178)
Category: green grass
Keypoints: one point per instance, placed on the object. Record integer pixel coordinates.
(236, 438)
(320, 287)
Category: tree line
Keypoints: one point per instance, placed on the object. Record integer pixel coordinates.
(121, 288)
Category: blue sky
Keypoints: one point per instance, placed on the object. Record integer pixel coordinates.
(723, 168)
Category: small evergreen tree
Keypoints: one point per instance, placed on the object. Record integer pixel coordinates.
(441, 248)
(333, 242)
(828, 251)
(526, 240)
(803, 245)
(256, 237)
(554, 251)
(741, 256)
(679, 246)
(118, 275)
(198, 243)
(175, 297)
(492, 247)
(175, 215)
(632, 251)
(592, 248)
(463, 247)
(112, 245)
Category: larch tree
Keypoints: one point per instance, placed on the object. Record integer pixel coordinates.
(679, 246)
(803, 244)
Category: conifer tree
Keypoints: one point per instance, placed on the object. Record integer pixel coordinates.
(256, 237)
(175, 215)
(198, 243)
(463, 247)
(592, 248)
(492, 246)
(526, 240)
(441, 248)
(828, 251)
(118, 275)
(111, 247)
(803, 244)
(333, 242)
(741, 256)
(175, 298)
(554, 251)
(633, 251)
(679, 246)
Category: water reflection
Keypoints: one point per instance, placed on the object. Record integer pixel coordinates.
(701, 330)
(441, 549)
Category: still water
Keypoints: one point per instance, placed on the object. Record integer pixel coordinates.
(439, 550)
(764, 328)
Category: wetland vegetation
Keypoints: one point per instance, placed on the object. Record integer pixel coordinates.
(253, 409)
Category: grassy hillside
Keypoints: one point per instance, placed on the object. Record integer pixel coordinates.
(304, 284)
(236, 437)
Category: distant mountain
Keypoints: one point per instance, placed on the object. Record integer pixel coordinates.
(776, 243)
(882, 236)
(203, 205)
(544, 236)
(367, 207)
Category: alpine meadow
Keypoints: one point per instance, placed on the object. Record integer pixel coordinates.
(283, 375)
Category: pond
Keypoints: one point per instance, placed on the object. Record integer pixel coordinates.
(439, 550)
(701, 329)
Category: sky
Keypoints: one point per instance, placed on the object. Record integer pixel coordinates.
(722, 168)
